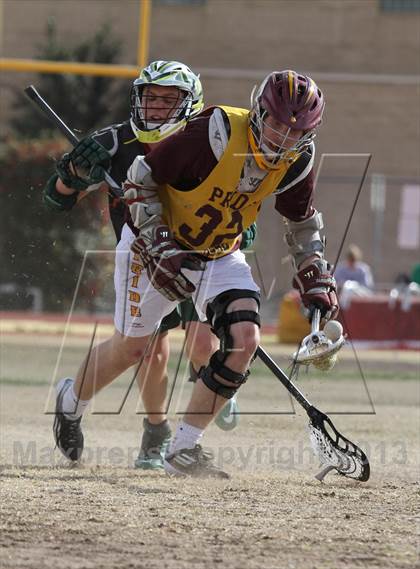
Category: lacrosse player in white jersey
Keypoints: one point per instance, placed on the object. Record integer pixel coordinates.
(165, 96)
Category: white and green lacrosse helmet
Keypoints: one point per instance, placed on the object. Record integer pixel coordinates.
(166, 74)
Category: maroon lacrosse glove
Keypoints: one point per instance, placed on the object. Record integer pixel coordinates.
(317, 288)
(163, 260)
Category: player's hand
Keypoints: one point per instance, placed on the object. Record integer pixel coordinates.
(318, 289)
(163, 260)
(84, 166)
(248, 236)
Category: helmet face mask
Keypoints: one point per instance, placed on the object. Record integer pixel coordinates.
(286, 109)
(276, 144)
(157, 113)
(153, 108)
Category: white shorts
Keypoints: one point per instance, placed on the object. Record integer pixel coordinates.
(140, 308)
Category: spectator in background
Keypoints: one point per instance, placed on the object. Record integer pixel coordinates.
(354, 278)
(353, 269)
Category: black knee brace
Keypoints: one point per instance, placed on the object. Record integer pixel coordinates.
(220, 322)
(194, 375)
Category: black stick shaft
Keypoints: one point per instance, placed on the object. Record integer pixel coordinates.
(33, 94)
(279, 373)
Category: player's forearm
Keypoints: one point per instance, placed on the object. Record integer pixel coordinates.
(304, 240)
(63, 189)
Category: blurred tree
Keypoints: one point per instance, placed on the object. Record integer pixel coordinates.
(84, 102)
(40, 248)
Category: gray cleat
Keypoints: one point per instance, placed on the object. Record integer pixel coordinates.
(193, 462)
(154, 443)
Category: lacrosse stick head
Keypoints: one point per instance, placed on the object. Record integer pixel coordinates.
(317, 349)
(334, 450)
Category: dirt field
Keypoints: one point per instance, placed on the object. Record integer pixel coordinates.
(271, 514)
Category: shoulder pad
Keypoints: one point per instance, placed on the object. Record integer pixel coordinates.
(219, 132)
(108, 137)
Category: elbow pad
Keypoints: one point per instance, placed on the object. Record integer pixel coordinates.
(140, 193)
(304, 239)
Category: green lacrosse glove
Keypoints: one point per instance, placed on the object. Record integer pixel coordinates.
(249, 236)
(54, 200)
(84, 166)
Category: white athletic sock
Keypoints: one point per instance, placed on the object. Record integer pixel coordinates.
(186, 436)
(71, 406)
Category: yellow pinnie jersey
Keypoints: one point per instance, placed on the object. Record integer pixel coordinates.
(210, 218)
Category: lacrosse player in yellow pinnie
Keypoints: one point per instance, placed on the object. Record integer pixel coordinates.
(211, 180)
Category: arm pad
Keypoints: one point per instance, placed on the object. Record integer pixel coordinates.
(140, 192)
(304, 239)
(141, 173)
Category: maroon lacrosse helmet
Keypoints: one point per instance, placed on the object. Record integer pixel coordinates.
(295, 101)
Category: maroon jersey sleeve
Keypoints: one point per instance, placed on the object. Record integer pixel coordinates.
(296, 202)
(185, 159)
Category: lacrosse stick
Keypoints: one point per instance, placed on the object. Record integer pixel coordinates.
(317, 348)
(33, 94)
(333, 449)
